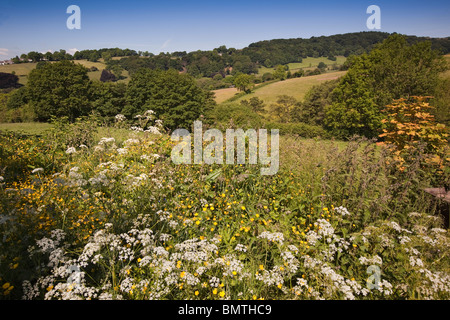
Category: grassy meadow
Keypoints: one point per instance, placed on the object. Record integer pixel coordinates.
(296, 87)
(308, 63)
(104, 212)
(23, 69)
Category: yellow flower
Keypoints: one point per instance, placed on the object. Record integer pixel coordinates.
(261, 267)
(196, 293)
(279, 285)
(243, 207)
(215, 291)
(49, 288)
(222, 294)
(6, 286)
(182, 274)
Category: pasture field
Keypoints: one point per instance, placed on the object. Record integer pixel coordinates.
(30, 128)
(23, 69)
(296, 87)
(307, 64)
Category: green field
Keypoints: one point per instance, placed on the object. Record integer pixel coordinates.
(307, 63)
(27, 128)
(296, 88)
(23, 69)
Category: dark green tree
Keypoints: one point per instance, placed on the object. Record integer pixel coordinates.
(175, 98)
(108, 98)
(60, 89)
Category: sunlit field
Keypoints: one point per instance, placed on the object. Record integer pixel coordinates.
(103, 213)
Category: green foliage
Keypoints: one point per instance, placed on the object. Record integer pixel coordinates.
(322, 65)
(255, 104)
(353, 111)
(233, 115)
(60, 89)
(441, 102)
(243, 82)
(299, 129)
(393, 70)
(283, 108)
(312, 108)
(18, 98)
(108, 99)
(79, 134)
(267, 76)
(175, 98)
(280, 72)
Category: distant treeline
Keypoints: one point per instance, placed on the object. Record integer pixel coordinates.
(223, 60)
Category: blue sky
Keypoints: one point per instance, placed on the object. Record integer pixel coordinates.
(174, 25)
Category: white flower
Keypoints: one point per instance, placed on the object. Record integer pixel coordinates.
(153, 130)
(71, 150)
(275, 237)
(34, 171)
(342, 210)
(122, 151)
(312, 237)
(120, 117)
(1, 179)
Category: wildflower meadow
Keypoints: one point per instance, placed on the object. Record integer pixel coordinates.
(88, 212)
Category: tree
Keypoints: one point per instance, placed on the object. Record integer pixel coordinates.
(106, 56)
(60, 89)
(175, 98)
(312, 109)
(8, 80)
(243, 82)
(392, 70)
(94, 56)
(35, 56)
(108, 98)
(107, 76)
(322, 65)
(353, 111)
(257, 105)
(283, 107)
(267, 77)
(280, 72)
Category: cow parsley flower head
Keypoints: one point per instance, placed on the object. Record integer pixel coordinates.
(35, 171)
(342, 211)
(71, 150)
